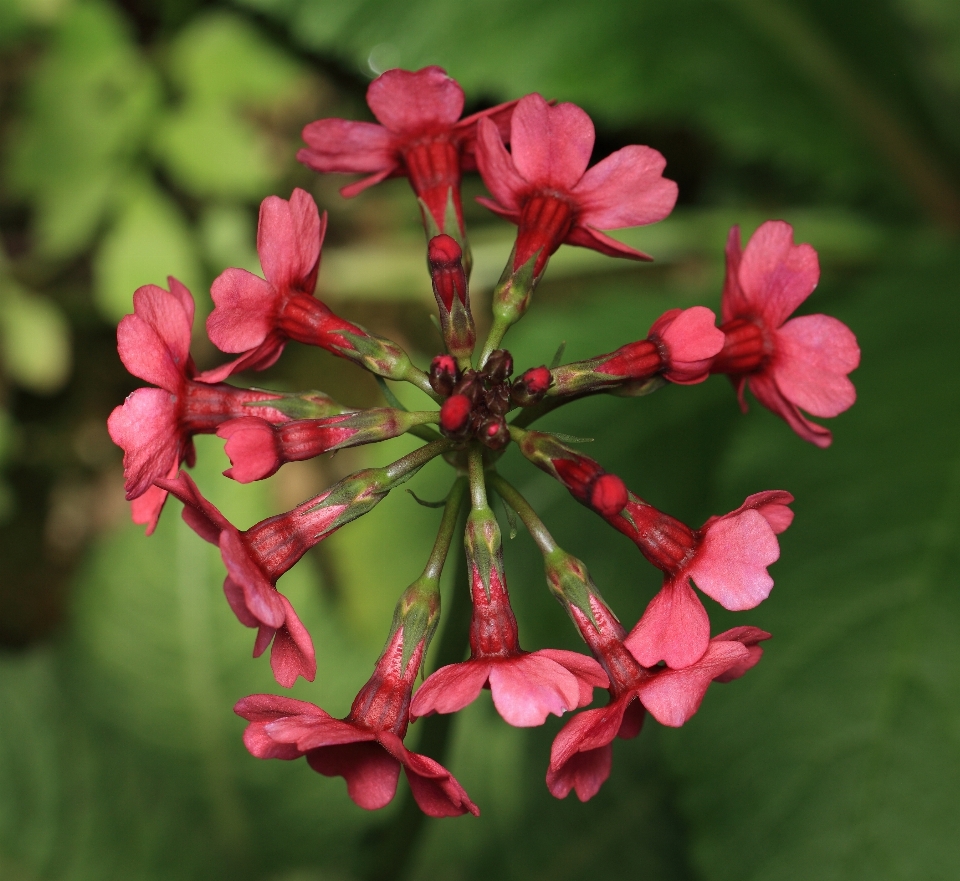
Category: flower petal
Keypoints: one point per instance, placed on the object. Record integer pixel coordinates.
(416, 102)
(252, 446)
(497, 169)
(585, 772)
(748, 637)
(292, 654)
(589, 673)
(527, 688)
(814, 354)
(342, 145)
(289, 237)
(588, 237)
(674, 628)
(775, 275)
(730, 564)
(673, 696)
(245, 311)
(734, 303)
(146, 427)
(450, 688)
(434, 788)
(550, 146)
(625, 189)
(261, 597)
(371, 772)
(768, 393)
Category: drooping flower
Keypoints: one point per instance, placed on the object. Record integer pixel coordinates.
(525, 686)
(155, 426)
(420, 136)
(366, 748)
(544, 186)
(789, 365)
(727, 558)
(582, 753)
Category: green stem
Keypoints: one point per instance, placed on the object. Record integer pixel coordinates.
(478, 487)
(394, 846)
(498, 330)
(401, 470)
(415, 376)
(530, 519)
(448, 523)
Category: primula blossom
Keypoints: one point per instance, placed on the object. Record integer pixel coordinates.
(525, 686)
(727, 558)
(581, 756)
(800, 364)
(155, 426)
(255, 559)
(366, 748)
(420, 136)
(544, 186)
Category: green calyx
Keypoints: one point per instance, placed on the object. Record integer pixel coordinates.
(417, 612)
(483, 544)
(303, 405)
(570, 582)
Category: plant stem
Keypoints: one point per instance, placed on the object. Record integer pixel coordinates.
(530, 519)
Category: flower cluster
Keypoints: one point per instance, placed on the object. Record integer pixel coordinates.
(533, 156)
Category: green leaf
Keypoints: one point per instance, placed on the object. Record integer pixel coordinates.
(150, 241)
(87, 109)
(838, 756)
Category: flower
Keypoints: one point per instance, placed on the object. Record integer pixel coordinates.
(727, 558)
(255, 559)
(421, 136)
(155, 426)
(544, 186)
(525, 686)
(366, 748)
(581, 755)
(800, 364)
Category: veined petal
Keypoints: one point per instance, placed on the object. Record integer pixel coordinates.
(260, 595)
(289, 237)
(371, 773)
(814, 354)
(146, 354)
(292, 653)
(584, 772)
(146, 427)
(450, 688)
(342, 145)
(550, 146)
(768, 393)
(674, 628)
(730, 564)
(170, 314)
(673, 696)
(497, 169)
(434, 788)
(588, 237)
(245, 310)
(527, 688)
(416, 102)
(626, 189)
(775, 275)
(733, 303)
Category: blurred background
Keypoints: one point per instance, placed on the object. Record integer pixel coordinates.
(137, 139)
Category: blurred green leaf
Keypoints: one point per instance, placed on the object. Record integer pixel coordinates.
(225, 70)
(84, 115)
(150, 241)
(34, 340)
(838, 756)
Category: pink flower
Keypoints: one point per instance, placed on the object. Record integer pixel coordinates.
(727, 558)
(366, 748)
(800, 364)
(256, 315)
(543, 185)
(525, 686)
(155, 426)
(582, 753)
(255, 560)
(421, 136)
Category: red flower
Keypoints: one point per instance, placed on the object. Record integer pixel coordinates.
(581, 756)
(789, 365)
(727, 558)
(366, 748)
(255, 560)
(525, 686)
(543, 185)
(421, 136)
(155, 426)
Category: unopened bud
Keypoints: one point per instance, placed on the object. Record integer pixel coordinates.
(499, 365)
(531, 387)
(443, 374)
(455, 415)
(494, 433)
(445, 260)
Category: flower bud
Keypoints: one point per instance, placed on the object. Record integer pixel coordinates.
(444, 258)
(531, 387)
(443, 374)
(455, 416)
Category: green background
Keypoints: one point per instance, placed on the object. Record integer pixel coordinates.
(137, 140)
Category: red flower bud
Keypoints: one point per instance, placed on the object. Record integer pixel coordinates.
(455, 415)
